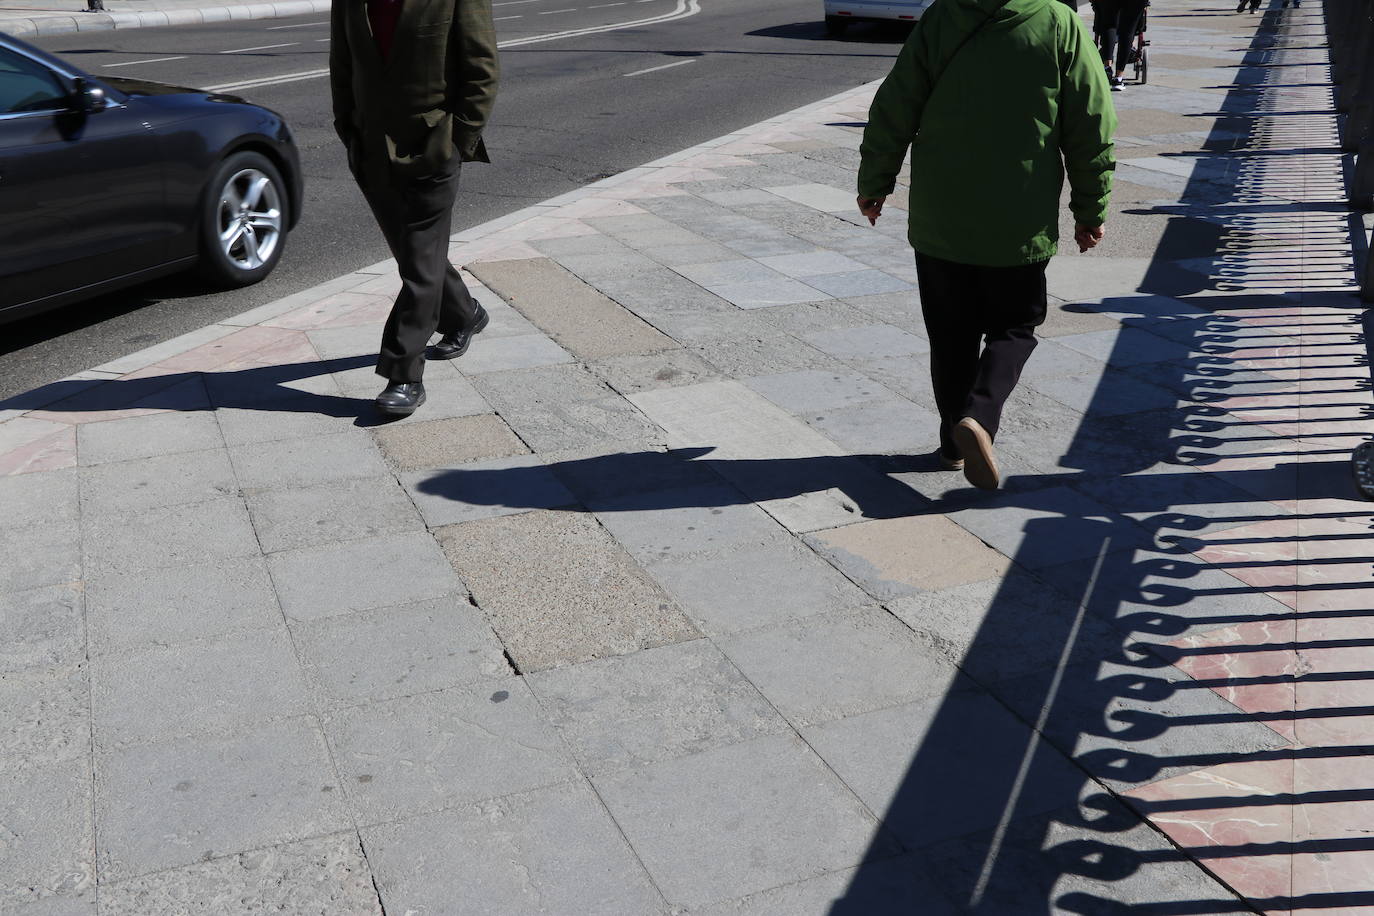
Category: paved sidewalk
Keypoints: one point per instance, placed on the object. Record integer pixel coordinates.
(660, 604)
(27, 18)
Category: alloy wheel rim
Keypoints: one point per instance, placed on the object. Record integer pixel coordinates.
(249, 219)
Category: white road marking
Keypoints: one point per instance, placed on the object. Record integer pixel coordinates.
(500, 18)
(602, 6)
(322, 39)
(151, 60)
(683, 10)
(513, 3)
(678, 63)
(260, 48)
(299, 25)
(551, 12)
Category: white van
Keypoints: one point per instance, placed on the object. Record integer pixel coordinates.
(839, 13)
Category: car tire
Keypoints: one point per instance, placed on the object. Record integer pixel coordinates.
(835, 26)
(243, 221)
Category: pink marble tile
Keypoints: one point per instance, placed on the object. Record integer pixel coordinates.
(1206, 813)
(1263, 555)
(248, 348)
(1334, 873)
(30, 444)
(589, 207)
(1259, 649)
(336, 311)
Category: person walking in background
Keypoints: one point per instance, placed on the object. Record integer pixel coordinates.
(1115, 23)
(988, 159)
(413, 83)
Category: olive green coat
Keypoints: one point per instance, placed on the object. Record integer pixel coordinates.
(410, 113)
(993, 126)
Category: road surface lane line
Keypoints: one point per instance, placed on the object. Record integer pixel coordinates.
(602, 6)
(551, 12)
(501, 18)
(299, 25)
(260, 48)
(678, 63)
(151, 60)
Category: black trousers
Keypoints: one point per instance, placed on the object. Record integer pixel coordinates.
(1116, 22)
(416, 217)
(981, 322)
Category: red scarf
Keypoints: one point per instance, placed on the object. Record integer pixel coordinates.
(383, 15)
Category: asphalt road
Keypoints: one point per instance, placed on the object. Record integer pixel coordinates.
(573, 108)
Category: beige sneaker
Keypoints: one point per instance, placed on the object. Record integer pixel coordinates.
(980, 461)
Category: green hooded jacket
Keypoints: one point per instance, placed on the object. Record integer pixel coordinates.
(1022, 102)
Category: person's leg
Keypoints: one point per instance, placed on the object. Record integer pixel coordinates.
(1015, 305)
(1128, 20)
(1105, 26)
(947, 304)
(419, 222)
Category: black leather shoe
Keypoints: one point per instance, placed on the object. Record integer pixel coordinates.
(452, 346)
(400, 399)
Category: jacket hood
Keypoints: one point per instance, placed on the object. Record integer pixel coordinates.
(972, 12)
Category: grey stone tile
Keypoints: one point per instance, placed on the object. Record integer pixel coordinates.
(225, 684)
(1051, 360)
(858, 283)
(436, 750)
(653, 705)
(143, 608)
(668, 369)
(673, 523)
(810, 390)
(559, 590)
(165, 805)
(1003, 628)
(1049, 526)
(811, 264)
(47, 496)
(47, 716)
(901, 310)
(398, 651)
(731, 821)
(49, 838)
(1105, 395)
(308, 461)
(155, 483)
(320, 875)
(812, 317)
(891, 425)
(890, 887)
(513, 855)
(374, 572)
(523, 351)
(673, 254)
(746, 355)
(444, 443)
(42, 627)
(342, 511)
(1039, 866)
(144, 437)
(292, 418)
(755, 585)
(942, 767)
(760, 294)
(175, 536)
(840, 663)
(485, 489)
(580, 244)
(1126, 346)
(1130, 723)
(617, 470)
(871, 342)
(720, 273)
(595, 267)
(82, 903)
(38, 555)
(565, 408)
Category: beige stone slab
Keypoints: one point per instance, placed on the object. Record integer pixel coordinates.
(902, 556)
(577, 316)
(559, 590)
(444, 443)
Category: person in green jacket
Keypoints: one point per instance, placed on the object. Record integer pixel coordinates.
(996, 101)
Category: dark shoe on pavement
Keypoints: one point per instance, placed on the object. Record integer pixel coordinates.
(399, 399)
(980, 461)
(452, 346)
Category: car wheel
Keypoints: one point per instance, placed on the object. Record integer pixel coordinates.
(243, 221)
(835, 25)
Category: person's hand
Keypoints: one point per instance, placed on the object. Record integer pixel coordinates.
(1088, 237)
(871, 207)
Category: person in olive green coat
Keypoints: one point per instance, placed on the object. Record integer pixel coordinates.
(413, 84)
(997, 102)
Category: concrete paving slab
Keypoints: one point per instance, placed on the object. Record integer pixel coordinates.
(50, 496)
(167, 805)
(887, 888)
(308, 461)
(49, 854)
(1048, 527)
(144, 437)
(443, 443)
(890, 425)
(315, 582)
(860, 283)
(226, 684)
(512, 853)
(667, 369)
(779, 815)
(344, 511)
(808, 390)
(523, 351)
(872, 342)
(165, 481)
(485, 489)
(50, 714)
(762, 294)
(419, 754)
(838, 664)
(326, 874)
(681, 522)
(398, 651)
(890, 558)
(292, 418)
(217, 529)
(42, 627)
(140, 609)
(559, 590)
(613, 471)
(653, 705)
